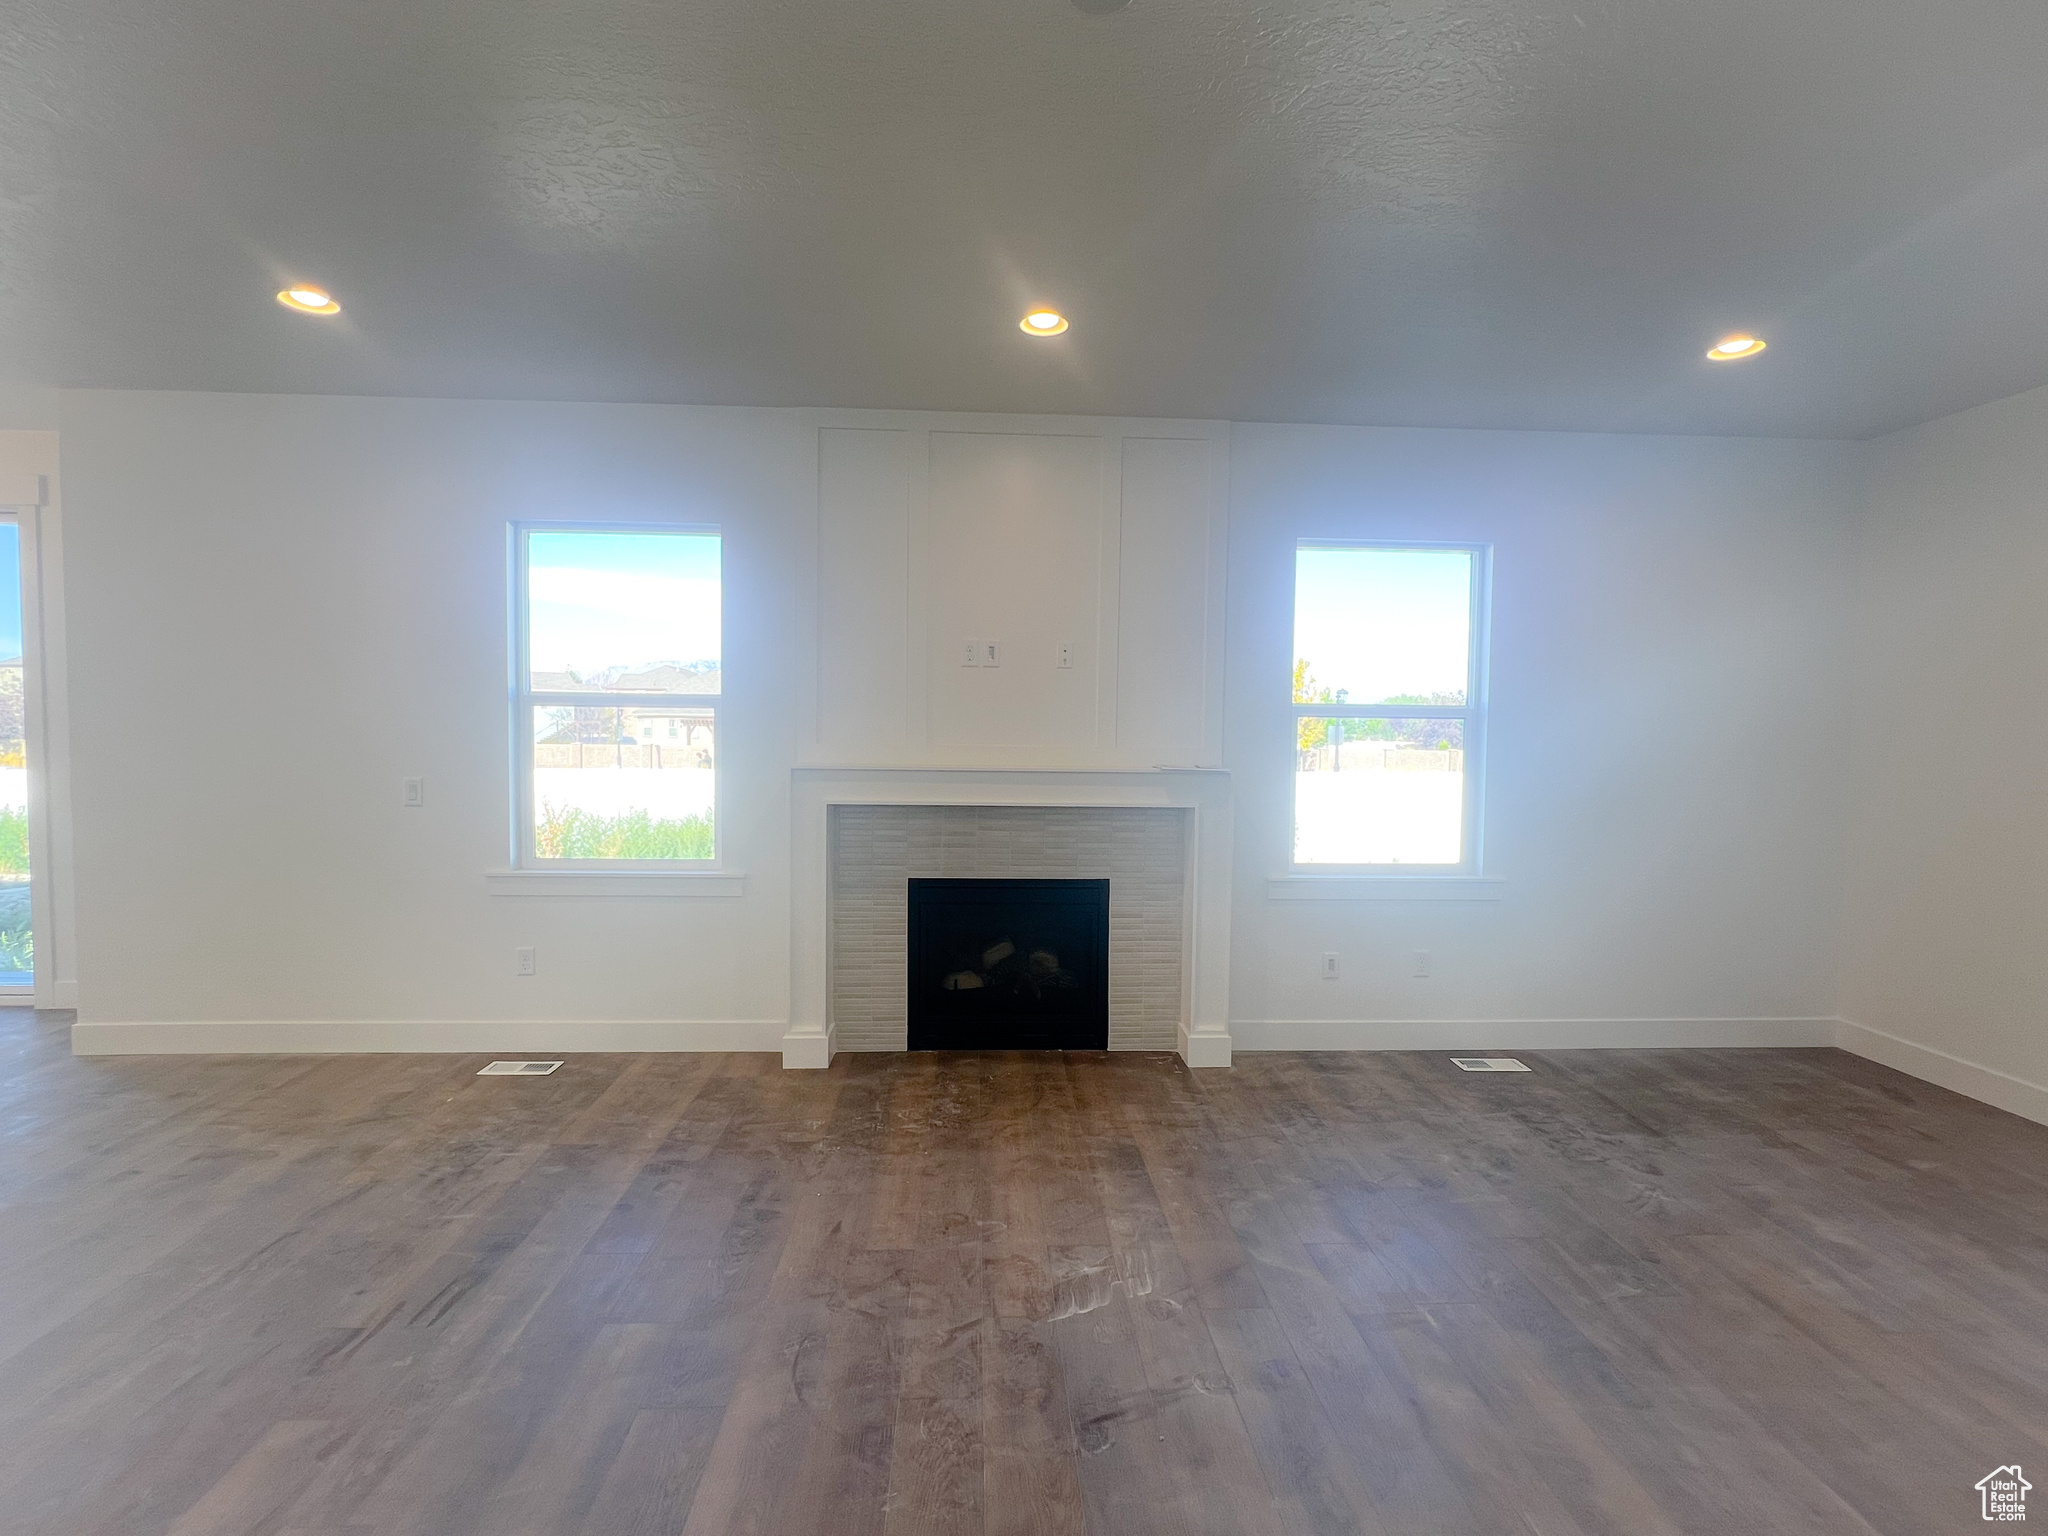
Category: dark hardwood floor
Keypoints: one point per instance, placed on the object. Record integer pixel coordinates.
(1629, 1293)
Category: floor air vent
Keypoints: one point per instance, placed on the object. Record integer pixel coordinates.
(1487, 1064)
(519, 1069)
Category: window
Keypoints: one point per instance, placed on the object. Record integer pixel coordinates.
(17, 927)
(616, 693)
(1389, 710)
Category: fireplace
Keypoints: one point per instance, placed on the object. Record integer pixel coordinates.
(859, 835)
(1009, 965)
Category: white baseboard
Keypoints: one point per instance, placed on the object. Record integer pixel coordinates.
(1204, 1048)
(810, 1049)
(1988, 1085)
(292, 1037)
(463, 1036)
(1523, 1034)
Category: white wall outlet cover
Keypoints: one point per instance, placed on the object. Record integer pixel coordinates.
(1421, 963)
(525, 961)
(990, 653)
(414, 791)
(1488, 1064)
(970, 654)
(1330, 967)
(1066, 656)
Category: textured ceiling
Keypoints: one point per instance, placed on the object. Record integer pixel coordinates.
(1482, 212)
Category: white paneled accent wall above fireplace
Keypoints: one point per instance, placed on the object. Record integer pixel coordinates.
(1020, 626)
(1089, 557)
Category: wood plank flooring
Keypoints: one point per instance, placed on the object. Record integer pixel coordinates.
(1628, 1294)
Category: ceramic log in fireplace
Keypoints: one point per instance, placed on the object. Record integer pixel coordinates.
(1009, 965)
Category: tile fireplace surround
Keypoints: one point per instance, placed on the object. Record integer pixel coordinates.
(877, 849)
(919, 817)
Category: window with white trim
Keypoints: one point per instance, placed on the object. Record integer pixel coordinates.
(1389, 706)
(617, 684)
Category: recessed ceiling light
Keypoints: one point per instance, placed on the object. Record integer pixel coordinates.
(1043, 322)
(308, 300)
(1730, 349)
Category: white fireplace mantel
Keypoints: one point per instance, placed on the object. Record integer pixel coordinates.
(1204, 793)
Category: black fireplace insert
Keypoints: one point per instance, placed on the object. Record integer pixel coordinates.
(1009, 965)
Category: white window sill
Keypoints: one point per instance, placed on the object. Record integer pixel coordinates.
(1357, 887)
(615, 882)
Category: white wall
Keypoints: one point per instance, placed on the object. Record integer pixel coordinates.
(233, 558)
(1666, 724)
(1668, 703)
(1945, 934)
(344, 561)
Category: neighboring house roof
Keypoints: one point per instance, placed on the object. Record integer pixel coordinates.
(664, 677)
(668, 678)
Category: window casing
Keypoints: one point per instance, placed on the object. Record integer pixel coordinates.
(1413, 736)
(617, 686)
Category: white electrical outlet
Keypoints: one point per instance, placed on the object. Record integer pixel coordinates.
(1066, 656)
(523, 961)
(1330, 966)
(1421, 963)
(414, 792)
(970, 653)
(989, 657)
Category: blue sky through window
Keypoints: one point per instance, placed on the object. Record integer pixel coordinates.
(10, 592)
(1384, 623)
(599, 602)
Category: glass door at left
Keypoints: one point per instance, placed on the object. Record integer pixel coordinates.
(17, 930)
